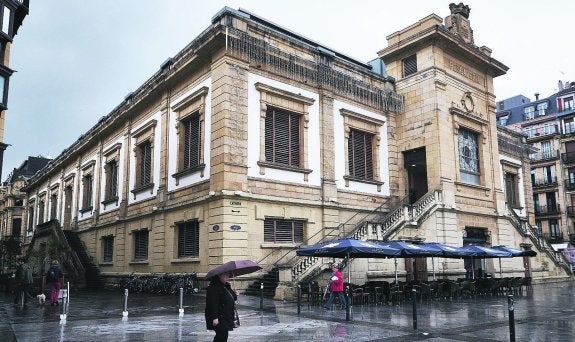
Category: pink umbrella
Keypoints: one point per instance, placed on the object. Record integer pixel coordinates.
(235, 268)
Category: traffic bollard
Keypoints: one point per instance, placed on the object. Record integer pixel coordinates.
(125, 313)
(261, 296)
(181, 310)
(347, 306)
(298, 299)
(414, 300)
(511, 318)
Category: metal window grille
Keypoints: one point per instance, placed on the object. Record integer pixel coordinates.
(409, 65)
(108, 248)
(141, 245)
(282, 137)
(283, 231)
(146, 163)
(192, 144)
(188, 239)
(360, 154)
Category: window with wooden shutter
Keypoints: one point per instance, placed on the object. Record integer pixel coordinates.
(283, 231)
(31, 217)
(87, 186)
(409, 65)
(145, 164)
(140, 245)
(360, 154)
(282, 143)
(192, 145)
(188, 239)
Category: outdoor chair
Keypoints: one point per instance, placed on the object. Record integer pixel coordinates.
(315, 296)
(396, 293)
(467, 287)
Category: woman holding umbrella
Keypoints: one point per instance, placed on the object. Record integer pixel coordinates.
(220, 306)
(220, 298)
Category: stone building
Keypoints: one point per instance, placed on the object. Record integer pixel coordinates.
(12, 13)
(254, 140)
(548, 125)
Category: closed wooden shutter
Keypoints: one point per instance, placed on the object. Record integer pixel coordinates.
(360, 154)
(141, 245)
(282, 137)
(188, 239)
(146, 164)
(283, 231)
(192, 141)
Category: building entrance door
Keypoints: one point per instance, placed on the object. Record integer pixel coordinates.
(416, 166)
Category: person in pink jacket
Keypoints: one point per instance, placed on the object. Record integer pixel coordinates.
(336, 288)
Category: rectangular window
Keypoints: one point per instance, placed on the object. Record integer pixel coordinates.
(511, 190)
(53, 206)
(17, 228)
(188, 239)
(141, 245)
(6, 20)
(40, 212)
(144, 163)
(542, 108)
(283, 231)
(409, 65)
(529, 112)
(87, 187)
(31, 218)
(554, 231)
(360, 154)
(546, 149)
(111, 180)
(282, 137)
(108, 248)
(568, 103)
(548, 128)
(192, 144)
(468, 156)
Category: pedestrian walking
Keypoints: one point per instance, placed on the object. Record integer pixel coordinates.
(24, 280)
(336, 288)
(54, 277)
(220, 306)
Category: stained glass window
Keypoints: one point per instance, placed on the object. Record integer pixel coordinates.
(468, 156)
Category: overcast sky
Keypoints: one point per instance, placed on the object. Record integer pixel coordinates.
(76, 60)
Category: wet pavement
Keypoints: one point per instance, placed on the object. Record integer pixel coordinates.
(545, 314)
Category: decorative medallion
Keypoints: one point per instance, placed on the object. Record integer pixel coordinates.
(467, 102)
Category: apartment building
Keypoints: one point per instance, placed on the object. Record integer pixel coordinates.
(548, 124)
(254, 140)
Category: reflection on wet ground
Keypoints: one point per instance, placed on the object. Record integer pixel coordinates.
(546, 314)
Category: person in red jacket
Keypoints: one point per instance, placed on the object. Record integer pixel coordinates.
(336, 288)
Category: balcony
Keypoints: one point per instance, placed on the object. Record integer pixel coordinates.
(541, 131)
(569, 185)
(554, 209)
(545, 182)
(556, 237)
(568, 157)
(571, 211)
(547, 155)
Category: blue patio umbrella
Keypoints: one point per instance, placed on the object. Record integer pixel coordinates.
(484, 252)
(514, 253)
(409, 250)
(446, 252)
(348, 248)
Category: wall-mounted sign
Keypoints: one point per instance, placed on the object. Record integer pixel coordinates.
(215, 227)
(235, 227)
(235, 203)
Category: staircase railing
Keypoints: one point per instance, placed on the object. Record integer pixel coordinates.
(527, 230)
(377, 225)
(309, 265)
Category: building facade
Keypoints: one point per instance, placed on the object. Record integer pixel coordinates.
(12, 200)
(254, 140)
(548, 126)
(12, 13)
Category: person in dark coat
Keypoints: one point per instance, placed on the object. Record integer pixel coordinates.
(220, 307)
(24, 280)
